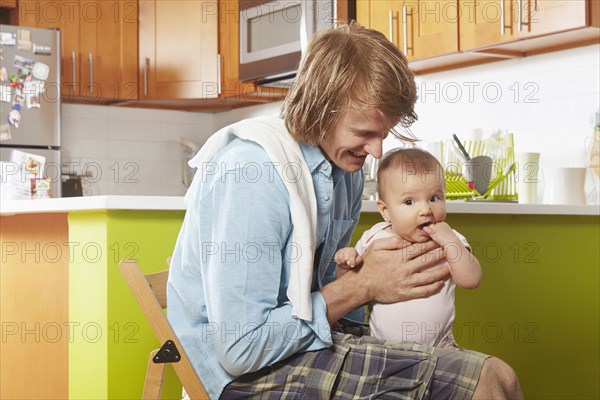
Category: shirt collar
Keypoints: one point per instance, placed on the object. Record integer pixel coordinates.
(313, 156)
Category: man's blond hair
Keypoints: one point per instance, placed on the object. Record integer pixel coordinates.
(349, 67)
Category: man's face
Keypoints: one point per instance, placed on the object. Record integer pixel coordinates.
(356, 134)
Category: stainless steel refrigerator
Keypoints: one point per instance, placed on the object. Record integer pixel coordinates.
(30, 97)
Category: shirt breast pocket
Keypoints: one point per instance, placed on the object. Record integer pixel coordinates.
(338, 230)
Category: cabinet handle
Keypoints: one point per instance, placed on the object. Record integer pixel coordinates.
(73, 68)
(519, 14)
(502, 21)
(218, 74)
(391, 26)
(91, 59)
(405, 29)
(146, 61)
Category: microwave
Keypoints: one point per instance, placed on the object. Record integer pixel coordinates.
(274, 34)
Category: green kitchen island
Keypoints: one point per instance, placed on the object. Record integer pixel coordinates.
(71, 328)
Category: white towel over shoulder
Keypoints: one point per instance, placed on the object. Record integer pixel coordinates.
(283, 150)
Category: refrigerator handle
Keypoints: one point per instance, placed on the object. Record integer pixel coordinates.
(73, 68)
(91, 58)
(146, 61)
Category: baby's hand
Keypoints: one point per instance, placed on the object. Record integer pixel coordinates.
(441, 233)
(347, 257)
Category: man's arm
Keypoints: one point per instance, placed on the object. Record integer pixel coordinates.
(246, 271)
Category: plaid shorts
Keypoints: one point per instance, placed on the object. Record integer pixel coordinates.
(365, 368)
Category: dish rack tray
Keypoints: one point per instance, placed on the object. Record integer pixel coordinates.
(502, 185)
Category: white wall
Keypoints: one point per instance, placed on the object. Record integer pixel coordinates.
(547, 101)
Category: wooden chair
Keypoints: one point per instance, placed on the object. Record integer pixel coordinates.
(150, 291)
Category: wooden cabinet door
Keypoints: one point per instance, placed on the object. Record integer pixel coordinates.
(420, 28)
(8, 4)
(540, 17)
(98, 45)
(430, 28)
(63, 15)
(229, 51)
(178, 56)
(384, 16)
(108, 50)
(487, 22)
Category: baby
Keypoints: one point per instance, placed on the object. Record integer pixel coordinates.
(412, 202)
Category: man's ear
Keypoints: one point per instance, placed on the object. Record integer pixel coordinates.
(383, 210)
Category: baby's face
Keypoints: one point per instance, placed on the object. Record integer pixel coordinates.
(412, 201)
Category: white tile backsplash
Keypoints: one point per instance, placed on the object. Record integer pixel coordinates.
(130, 150)
(546, 101)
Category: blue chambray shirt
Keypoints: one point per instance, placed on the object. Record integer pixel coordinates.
(230, 268)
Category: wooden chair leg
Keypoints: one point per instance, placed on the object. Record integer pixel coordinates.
(155, 374)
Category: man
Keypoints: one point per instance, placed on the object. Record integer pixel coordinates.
(252, 289)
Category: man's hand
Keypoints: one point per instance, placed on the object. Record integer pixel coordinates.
(394, 273)
(391, 272)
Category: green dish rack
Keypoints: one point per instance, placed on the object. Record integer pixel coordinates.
(502, 186)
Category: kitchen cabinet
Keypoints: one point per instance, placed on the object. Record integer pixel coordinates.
(64, 16)
(492, 22)
(487, 22)
(8, 14)
(549, 16)
(108, 50)
(420, 29)
(441, 35)
(178, 49)
(233, 91)
(430, 28)
(98, 45)
(71, 328)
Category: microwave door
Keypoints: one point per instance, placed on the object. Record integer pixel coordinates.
(274, 35)
(270, 35)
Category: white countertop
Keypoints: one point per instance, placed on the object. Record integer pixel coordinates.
(73, 204)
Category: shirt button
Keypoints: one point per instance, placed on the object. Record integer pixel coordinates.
(326, 167)
(326, 197)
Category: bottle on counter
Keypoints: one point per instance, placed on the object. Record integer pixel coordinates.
(594, 156)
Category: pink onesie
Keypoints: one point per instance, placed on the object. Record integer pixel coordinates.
(428, 320)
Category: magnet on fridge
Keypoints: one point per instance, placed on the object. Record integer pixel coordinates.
(42, 49)
(20, 62)
(24, 40)
(40, 71)
(14, 118)
(8, 38)
(19, 99)
(5, 132)
(6, 92)
(33, 90)
(3, 74)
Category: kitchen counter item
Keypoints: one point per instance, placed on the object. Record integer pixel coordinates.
(528, 166)
(188, 151)
(502, 181)
(478, 172)
(564, 185)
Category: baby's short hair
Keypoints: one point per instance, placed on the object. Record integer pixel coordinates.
(410, 161)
